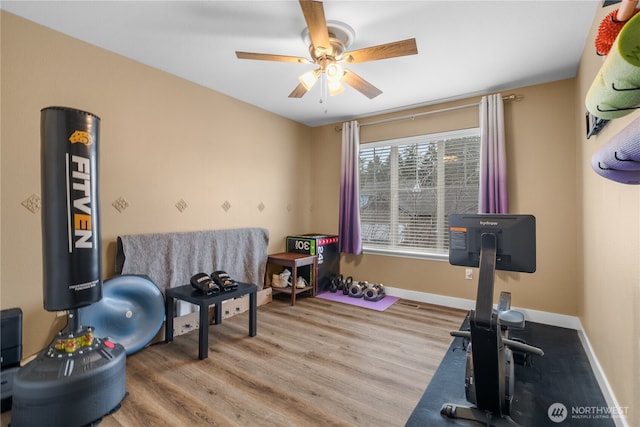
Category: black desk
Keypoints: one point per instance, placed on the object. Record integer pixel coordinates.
(189, 294)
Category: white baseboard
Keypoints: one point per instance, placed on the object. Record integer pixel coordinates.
(547, 318)
(609, 396)
(428, 298)
(554, 319)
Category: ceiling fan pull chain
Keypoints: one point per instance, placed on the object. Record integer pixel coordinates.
(323, 89)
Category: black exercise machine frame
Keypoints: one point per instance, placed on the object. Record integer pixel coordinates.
(489, 350)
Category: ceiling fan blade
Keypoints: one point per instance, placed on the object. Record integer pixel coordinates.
(383, 51)
(270, 57)
(298, 92)
(313, 12)
(360, 84)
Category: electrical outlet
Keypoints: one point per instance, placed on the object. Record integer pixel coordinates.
(468, 274)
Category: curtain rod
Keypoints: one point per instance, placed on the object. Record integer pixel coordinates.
(511, 97)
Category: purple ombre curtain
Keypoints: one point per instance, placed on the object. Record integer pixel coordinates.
(349, 228)
(492, 196)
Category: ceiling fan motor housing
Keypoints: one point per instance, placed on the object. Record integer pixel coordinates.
(341, 36)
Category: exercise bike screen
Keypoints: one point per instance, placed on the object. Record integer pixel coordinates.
(515, 239)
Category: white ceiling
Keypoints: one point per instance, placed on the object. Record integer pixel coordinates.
(465, 48)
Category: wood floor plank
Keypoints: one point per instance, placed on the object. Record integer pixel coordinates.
(318, 363)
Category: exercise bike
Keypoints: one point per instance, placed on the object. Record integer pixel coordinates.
(489, 375)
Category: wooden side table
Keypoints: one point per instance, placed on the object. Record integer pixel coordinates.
(293, 261)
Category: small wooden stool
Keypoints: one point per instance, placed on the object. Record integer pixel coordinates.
(293, 261)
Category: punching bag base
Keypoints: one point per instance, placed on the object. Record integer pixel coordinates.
(77, 389)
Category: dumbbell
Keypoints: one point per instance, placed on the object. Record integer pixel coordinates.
(357, 289)
(374, 292)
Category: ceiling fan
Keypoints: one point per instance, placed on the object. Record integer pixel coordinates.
(328, 41)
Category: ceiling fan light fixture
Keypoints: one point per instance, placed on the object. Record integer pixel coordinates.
(335, 87)
(334, 72)
(309, 78)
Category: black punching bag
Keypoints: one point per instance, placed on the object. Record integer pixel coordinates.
(71, 244)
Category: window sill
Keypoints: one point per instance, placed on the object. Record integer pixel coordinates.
(405, 254)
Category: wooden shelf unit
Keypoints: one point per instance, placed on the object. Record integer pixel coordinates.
(293, 261)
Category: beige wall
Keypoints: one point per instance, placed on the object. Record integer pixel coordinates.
(588, 227)
(162, 139)
(609, 252)
(541, 178)
(160, 136)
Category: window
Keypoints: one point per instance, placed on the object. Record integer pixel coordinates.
(409, 186)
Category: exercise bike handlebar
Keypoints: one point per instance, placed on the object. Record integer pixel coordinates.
(509, 343)
(523, 347)
(461, 334)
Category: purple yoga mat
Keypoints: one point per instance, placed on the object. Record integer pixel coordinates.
(381, 305)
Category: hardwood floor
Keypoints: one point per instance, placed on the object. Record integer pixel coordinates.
(315, 363)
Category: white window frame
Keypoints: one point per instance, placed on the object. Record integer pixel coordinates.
(394, 249)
